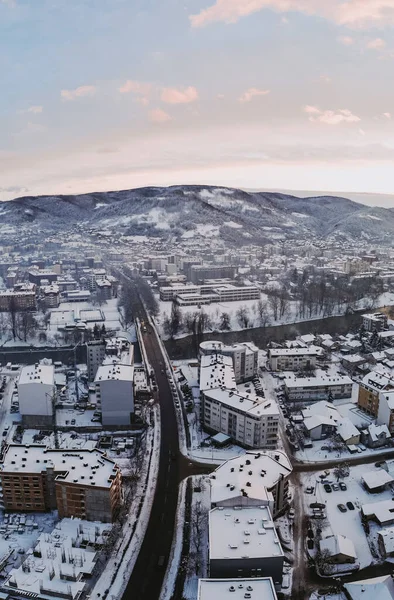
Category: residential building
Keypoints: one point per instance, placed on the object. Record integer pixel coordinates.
(257, 588)
(253, 479)
(371, 589)
(320, 420)
(386, 541)
(17, 300)
(374, 387)
(103, 289)
(292, 359)
(78, 483)
(320, 387)
(375, 436)
(51, 296)
(115, 393)
(348, 432)
(36, 275)
(247, 419)
(377, 481)
(381, 512)
(199, 273)
(339, 548)
(95, 357)
(244, 355)
(374, 322)
(234, 293)
(36, 392)
(244, 541)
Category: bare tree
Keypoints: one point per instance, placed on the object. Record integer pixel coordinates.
(262, 312)
(273, 301)
(26, 324)
(13, 317)
(225, 322)
(243, 317)
(199, 525)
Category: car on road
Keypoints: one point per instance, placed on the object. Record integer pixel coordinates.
(327, 488)
(309, 490)
(343, 486)
(350, 505)
(342, 508)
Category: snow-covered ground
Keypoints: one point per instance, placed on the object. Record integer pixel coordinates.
(349, 522)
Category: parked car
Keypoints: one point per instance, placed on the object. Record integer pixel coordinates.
(350, 505)
(335, 487)
(291, 513)
(309, 490)
(343, 486)
(342, 508)
(318, 505)
(327, 488)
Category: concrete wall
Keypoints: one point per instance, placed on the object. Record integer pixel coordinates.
(117, 402)
(247, 567)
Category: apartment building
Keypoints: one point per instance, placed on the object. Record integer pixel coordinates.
(36, 275)
(115, 393)
(243, 540)
(374, 322)
(17, 300)
(51, 295)
(78, 483)
(257, 588)
(321, 387)
(386, 410)
(292, 359)
(247, 419)
(201, 272)
(36, 390)
(370, 389)
(244, 356)
(95, 357)
(233, 293)
(253, 479)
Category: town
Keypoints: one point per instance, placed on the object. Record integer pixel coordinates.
(194, 423)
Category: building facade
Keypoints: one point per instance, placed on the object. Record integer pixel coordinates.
(292, 359)
(115, 394)
(95, 357)
(36, 392)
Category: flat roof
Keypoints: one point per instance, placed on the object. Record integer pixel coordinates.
(82, 467)
(374, 479)
(259, 588)
(240, 533)
(262, 470)
(117, 371)
(216, 371)
(37, 374)
(292, 352)
(318, 381)
(247, 403)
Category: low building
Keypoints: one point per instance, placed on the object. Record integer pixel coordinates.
(257, 588)
(78, 483)
(348, 432)
(115, 394)
(340, 549)
(292, 359)
(253, 479)
(374, 322)
(248, 419)
(36, 392)
(381, 588)
(376, 481)
(320, 387)
(244, 541)
(320, 420)
(386, 541)
(381, 512)
(369, 393)
(375, 436)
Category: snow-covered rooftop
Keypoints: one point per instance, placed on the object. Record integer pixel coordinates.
(318, 381)
(116, 371)
(375, 479)
(259, 588)
(261, 470)
(37, 374)
(338, 544)
(293, 352)
(250, 403)
(371, 589)
(346, 429)
(216, 371)
(83, 467)
(236, 533)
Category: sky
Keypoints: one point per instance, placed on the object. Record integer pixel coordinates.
(261, 94)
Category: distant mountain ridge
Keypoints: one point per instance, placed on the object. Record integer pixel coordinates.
(237, 216)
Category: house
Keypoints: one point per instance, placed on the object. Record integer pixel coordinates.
(376, 481)
(375, 436)
(378, 588)
(257, 588)
(382, 512)
(348, 432)
(386, 541)
(320, 420)
(253, 479)
(353, 361)
(374, 322)
(339, 548)
(244, 541)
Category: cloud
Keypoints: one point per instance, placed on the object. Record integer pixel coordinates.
(355, 14)
(346, 40)
(387, 115)
(158, 115)
(179, 95)
(330, 117)
(36, 110)
(324, 79)
(252, 93)
(79, 92)
(141, 88)
(376, 44)
(361, 131)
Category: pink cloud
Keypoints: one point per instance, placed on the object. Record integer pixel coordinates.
(79, 92)
(179, 95)
(252, 93)
(330, 117)
(136, 87)
(35, 110)
(158, 115)
(353, 13)
(376, 44)
(346, 40)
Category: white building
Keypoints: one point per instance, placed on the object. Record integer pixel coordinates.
(36, 391)
(244, 541)
(340, 549)
(249, 420)
(258, 588)
(253, 479)
(320, 387)
(243, 355)
(216, 371)
(115, 393)
(381, 588)
(291, 359)
(95, 357)
(374, 321)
